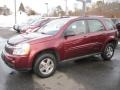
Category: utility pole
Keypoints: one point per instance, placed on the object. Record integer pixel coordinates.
(103, 1)
(84, 6)
(15, 11)
(47, 8)
(66, 7)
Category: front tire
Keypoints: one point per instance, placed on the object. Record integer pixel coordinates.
(45, 65)
(108, 52)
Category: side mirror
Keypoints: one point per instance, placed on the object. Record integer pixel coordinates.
(118, 26)
(69, 33)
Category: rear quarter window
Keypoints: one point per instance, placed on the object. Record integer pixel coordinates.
(109, 24)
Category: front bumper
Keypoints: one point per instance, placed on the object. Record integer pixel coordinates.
(16, 62)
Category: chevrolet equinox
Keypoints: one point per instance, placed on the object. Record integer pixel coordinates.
(61, 40)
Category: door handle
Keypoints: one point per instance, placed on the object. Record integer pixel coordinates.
(85, 36)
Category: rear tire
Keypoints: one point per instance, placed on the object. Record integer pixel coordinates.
(45, 65)
(108, 52)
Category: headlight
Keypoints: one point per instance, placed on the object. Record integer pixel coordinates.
(21, 49)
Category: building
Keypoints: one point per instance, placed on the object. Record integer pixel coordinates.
(4, 10)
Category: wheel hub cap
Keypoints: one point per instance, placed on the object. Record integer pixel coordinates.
(109, 51)
(46, 66)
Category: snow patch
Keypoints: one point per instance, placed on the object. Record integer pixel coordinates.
(9, 21)
(118, 43)
(11, 29)
(2, 40)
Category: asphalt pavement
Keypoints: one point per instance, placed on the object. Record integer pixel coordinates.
(87, 74)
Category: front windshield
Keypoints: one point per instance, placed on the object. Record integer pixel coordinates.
(36, 21)
(28, 22)
(53, 26)
(31, 21)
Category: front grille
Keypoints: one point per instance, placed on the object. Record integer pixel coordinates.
(9, 48)
(8, 63)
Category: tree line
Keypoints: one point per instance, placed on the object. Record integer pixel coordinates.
(100, 8)
(111, 10)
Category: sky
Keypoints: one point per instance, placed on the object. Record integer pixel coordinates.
(39, 5)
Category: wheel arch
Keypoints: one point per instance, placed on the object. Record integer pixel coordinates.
(50, 50)
(113, 41)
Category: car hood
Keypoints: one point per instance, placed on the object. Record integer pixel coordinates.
(25, 27)
(26, 37)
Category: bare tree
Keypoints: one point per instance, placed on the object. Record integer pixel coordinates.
(30, 11)
(105, 9)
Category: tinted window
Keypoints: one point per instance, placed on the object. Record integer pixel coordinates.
(95, 26)
(118, 21)
(114, 20)
(77, 27)
(109, 24)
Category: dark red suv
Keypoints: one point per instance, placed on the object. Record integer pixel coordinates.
(61, 40)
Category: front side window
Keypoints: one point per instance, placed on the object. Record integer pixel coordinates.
(95, 26)
(77, 28)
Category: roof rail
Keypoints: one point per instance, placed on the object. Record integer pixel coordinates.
(94, 16)
(64, 16)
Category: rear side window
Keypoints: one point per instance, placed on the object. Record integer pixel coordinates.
(95, 26)
(109, 24)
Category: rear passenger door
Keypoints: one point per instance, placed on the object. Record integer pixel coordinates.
(96, 35)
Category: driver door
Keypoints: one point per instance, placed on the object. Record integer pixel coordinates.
(74, 40)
